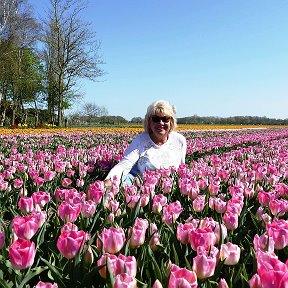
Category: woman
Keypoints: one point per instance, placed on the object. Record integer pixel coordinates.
(159, 146)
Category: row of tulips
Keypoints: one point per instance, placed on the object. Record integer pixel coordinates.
(220, 220)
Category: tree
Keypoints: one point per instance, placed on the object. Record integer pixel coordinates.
(93, 110)
(70, 52)
(18, 35)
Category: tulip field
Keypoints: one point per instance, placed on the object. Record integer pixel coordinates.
(219, 220)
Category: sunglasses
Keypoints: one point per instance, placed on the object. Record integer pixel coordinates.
(157, 119)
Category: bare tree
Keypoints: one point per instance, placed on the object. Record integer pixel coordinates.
(71, 52)
(93, 110)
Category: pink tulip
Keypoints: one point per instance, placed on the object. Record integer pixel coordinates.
(41, 198)
(204, 265)
(2, 239)
(183, 231)
(3, 185)
(230, 253)
(278, 230)
(49, 175)
(41, 284)
(22, 253)
(70, 243)
(111, 240)
(109, 259)
(127, 264)
(25, 226)
(199, 203)
(25, 204)
(66, 182)
(182, 277)
(255, 282)
(96, 191)
(18, 183)
(138, 232)
(222, 283)
(69, 212)
(69, 227)
(159, 201)
(155, 238)
(39, 217)
(171, 212)
(202, 237)
(264, 243)
(117, 265)
(230, 220)
(278, 207)
(124, 280)
(272, 272)
(88, 208)
(157, 284)
(39, 181)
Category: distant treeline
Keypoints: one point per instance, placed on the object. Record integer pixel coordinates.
(238, 120)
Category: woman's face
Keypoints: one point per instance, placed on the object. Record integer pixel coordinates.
(160, 125)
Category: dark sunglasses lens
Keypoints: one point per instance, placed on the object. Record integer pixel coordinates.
(157, 119)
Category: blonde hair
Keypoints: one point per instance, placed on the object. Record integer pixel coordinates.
(160, 107)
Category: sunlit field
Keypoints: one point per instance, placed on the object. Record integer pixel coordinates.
(219, 220)
(127, 128)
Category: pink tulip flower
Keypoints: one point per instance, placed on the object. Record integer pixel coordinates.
(202, 237)
(125, 280)
(117, 265)
(69, 212)
(182, 277)
(278, 230)
(39, 181)
(109, 259)
(39, 217)
(111, 240)
(18, 183)
(25, 204)
(278, 207)
(155, 238)
(41, 284)
(167, 184)
(272, 272)
(138, 232)
(159, 201)
(183, 231)
(230, 220)
(204, 265)
(230, 253)
(88, 208)
(222, 283)
(69, 227)
(157, 284)
(255, 281)
(70, 243)
(199, 203)
(22, 253)
(2, 239)
(4, 185)
(41, 198)
(96, 191)
(264, 243)
(49, 175)
(171, 212)
(25, 226)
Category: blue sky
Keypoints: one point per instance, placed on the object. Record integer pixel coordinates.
(209, 58)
